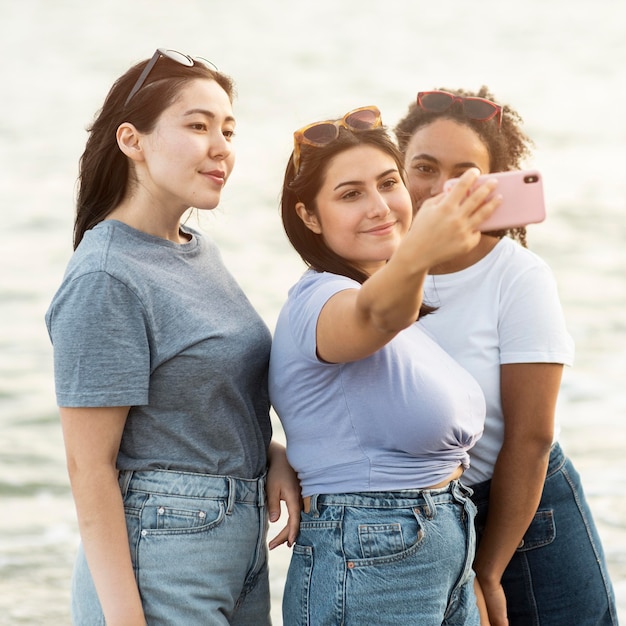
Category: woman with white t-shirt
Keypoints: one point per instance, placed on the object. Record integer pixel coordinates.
(539, 559)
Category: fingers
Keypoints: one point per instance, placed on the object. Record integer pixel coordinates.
(282, 537)
(294, 509)
(272, 494)
(293, 502)
(471, 198)
(464, 185)
(484, 210)
(290, 532)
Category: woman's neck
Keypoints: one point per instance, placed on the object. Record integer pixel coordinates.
(151, 221)
(484, 247)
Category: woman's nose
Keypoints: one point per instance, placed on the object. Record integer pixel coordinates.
(380, 207)
(437, 186)
(220, 147)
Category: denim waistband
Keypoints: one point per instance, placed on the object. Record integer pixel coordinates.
(189, 484)
(555, 463)
(557, 458)
(393, 499)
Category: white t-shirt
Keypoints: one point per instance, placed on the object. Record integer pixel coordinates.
(503, 309)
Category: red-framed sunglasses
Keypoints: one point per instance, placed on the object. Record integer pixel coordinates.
(319, 134)
(474, 108)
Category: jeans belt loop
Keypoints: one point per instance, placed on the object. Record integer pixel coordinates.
(459, 490)
(124, 478)
(430, 504)
(261, 491)
(232, 489)
(313, 510)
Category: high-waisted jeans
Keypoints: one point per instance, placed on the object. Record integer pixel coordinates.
(198, 546)
(384, 559)
(558, 575)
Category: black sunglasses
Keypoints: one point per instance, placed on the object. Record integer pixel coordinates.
(173, 55)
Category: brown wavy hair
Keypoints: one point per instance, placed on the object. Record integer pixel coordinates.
(304, 187)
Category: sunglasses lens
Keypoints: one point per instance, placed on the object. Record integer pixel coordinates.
(206, 62)
(179, 57)
(436, 101)
(361, 120)
(321, 134)
(479, 109)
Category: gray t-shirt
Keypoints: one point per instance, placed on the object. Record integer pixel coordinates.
(164, 328)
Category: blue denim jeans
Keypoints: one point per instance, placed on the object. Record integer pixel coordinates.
(558, 575)
(384, 559)
(198, 545)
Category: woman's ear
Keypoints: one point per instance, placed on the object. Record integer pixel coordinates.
(310, 219)
(129, 141)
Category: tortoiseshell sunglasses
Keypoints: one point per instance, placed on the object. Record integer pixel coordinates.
(320, 134)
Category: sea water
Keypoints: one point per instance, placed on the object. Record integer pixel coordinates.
(561, 64)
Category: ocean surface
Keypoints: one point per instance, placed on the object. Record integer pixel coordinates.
(560, 63)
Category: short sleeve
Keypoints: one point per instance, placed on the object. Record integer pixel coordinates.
(99, 333)
(532, 326)
(306, 302)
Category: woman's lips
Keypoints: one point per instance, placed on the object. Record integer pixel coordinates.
(215, 175)
(382, 229)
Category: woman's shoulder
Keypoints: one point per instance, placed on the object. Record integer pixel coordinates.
(312, 281)
(513, 257)
(523, 273)
(309, 295)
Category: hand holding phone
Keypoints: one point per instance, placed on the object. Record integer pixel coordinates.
(522, 199)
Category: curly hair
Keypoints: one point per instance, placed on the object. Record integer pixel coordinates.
(507, 145)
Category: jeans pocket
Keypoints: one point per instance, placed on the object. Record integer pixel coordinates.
(541, 531)
(380, 540)
(296, 597)
(164, 514)
(380, 536)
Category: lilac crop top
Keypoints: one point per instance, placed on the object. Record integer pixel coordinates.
(403, 418)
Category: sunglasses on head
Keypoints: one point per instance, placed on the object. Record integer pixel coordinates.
(173, 55)
(320, 134)
(473, 108)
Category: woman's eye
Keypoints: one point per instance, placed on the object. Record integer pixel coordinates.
(423, 169)
(350, 195)
(229, 134)
(198, 126)
(389, 184)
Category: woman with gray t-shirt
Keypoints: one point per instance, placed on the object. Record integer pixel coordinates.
(161, 369)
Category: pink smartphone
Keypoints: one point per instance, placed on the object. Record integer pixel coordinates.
(522, 199)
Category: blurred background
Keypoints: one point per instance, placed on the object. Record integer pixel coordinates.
(560, 64)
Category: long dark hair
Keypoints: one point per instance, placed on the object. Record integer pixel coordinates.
(507, 144)
(304, 188)
(104, 171)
